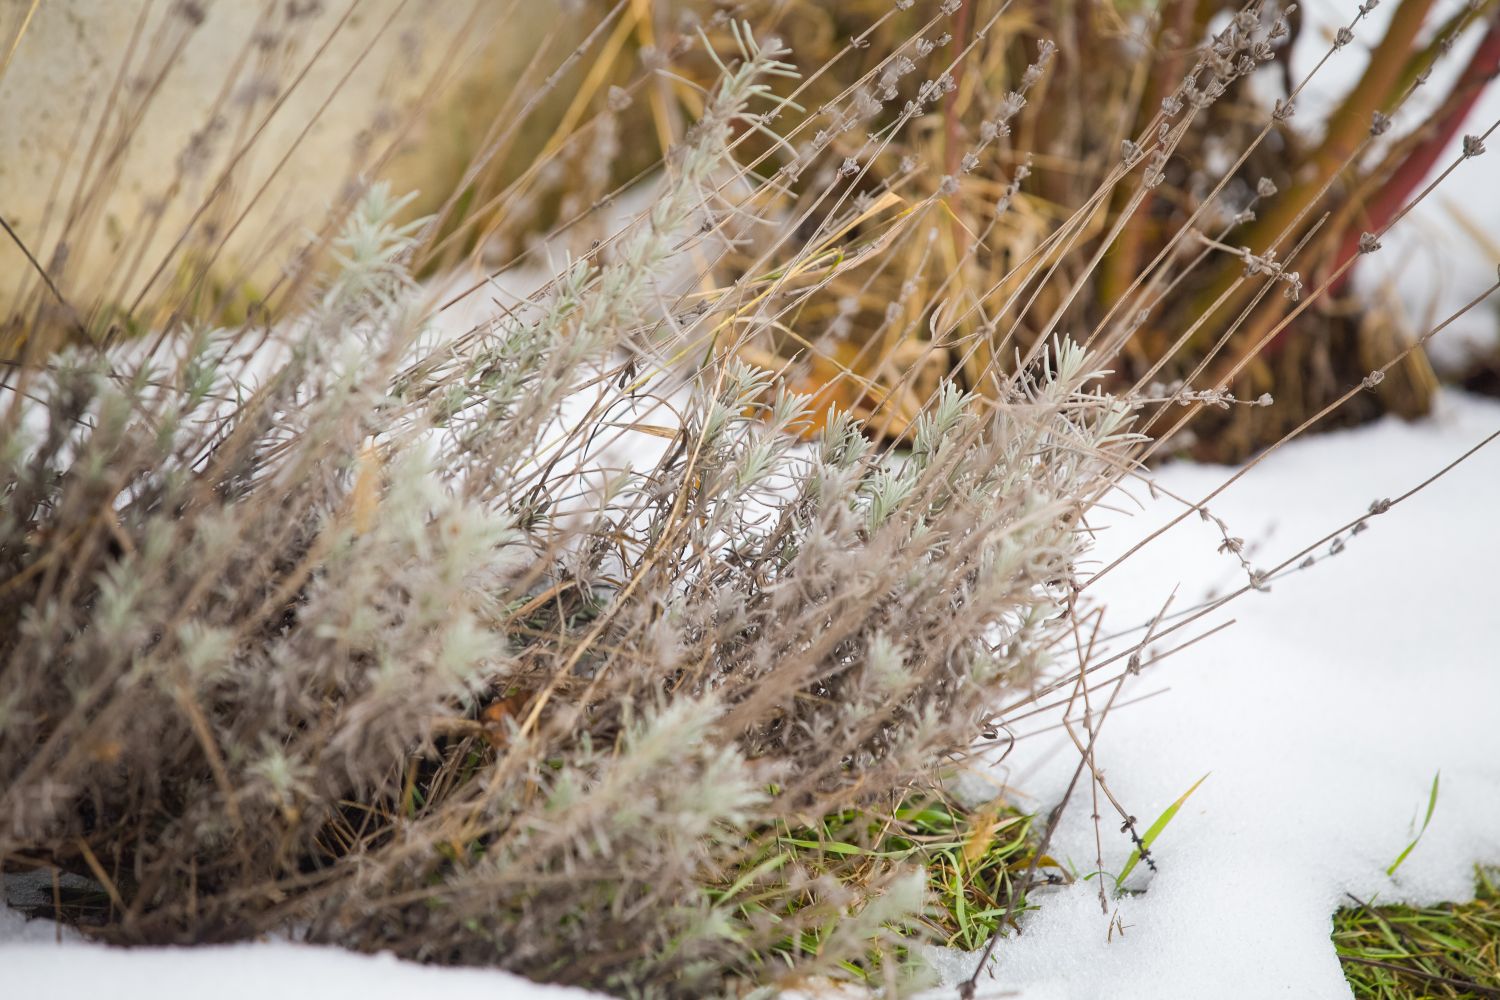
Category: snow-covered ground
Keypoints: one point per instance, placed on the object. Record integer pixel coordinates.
(1321, 716)
(34, 965)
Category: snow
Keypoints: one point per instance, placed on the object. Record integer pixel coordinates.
(32, 964)
(1320, 717)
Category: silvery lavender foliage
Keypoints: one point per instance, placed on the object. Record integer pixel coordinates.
(243, 583)
(320, 652)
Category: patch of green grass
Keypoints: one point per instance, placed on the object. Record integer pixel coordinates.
(973, 858)
(1406, 952)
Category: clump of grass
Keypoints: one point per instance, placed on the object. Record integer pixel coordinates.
(973, 856)
(1394, 952)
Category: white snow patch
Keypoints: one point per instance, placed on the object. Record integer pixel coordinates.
(1321, 718)
(33, 964)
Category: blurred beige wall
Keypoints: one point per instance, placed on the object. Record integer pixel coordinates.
(119, 119)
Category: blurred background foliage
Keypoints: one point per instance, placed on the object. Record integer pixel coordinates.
(529, 121)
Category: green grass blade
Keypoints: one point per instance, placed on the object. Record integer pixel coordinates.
(1155, 830)
(1431, 805)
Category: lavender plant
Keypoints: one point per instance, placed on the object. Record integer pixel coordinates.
(260, 632)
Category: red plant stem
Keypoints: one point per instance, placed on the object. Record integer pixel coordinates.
(1393, 195)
